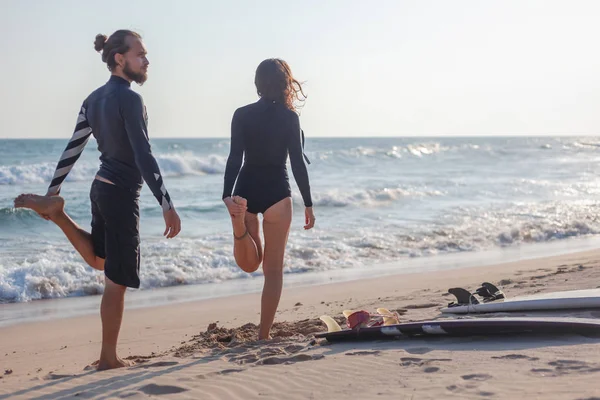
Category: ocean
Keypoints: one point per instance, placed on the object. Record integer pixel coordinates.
(376, 200)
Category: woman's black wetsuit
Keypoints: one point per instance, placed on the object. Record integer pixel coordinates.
(263, 134)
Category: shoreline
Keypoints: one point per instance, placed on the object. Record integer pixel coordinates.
(225, 137)
(60, 308)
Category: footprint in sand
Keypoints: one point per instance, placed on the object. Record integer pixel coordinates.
(53, 377)
(462, 388)
(157, 390)
(158, 364)
(538, 277)
(411, 361)
(573, 365)
(419, 306)
(515, 357)
(542, 371)
(429, 370)
(468, 387)
(476, 377)
(245, 359)
(222, 372)
(230, 371)
(235, 350)
(364, 353)
(419, 362)
(418, 350)
(271, 352)
(293, 348)
(292, 359)
(565, 367)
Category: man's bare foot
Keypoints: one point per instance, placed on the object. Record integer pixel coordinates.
(238, 219)
(118, 363)
(47, 206)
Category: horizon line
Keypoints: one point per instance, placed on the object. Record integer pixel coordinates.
(350, 137)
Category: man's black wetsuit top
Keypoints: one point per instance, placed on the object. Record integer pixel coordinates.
(117, 118)
(263, 134)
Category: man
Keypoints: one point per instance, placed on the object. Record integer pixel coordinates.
(116, 116)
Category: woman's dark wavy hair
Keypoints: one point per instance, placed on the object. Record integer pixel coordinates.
(274, 81)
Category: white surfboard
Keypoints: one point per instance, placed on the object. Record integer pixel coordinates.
(572, 299)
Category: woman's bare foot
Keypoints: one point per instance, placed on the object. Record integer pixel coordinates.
(118, 363)
(46, 206)
(238, 218)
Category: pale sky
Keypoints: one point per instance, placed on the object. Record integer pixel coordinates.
(372, 68)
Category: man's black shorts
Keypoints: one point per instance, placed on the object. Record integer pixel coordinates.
(116, 232)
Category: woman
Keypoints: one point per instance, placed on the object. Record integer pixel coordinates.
(264, 133)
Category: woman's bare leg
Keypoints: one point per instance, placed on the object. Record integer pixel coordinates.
(276, 227)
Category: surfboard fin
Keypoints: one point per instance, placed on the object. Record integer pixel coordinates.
(463, 297)
(332, 325)
(389, 318)
(489, 292)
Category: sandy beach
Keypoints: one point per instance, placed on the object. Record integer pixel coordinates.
(383, 153)
(205, 349)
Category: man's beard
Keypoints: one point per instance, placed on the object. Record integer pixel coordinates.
(137, 77)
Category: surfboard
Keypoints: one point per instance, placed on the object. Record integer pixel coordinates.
(565, 300)
(467, 327)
